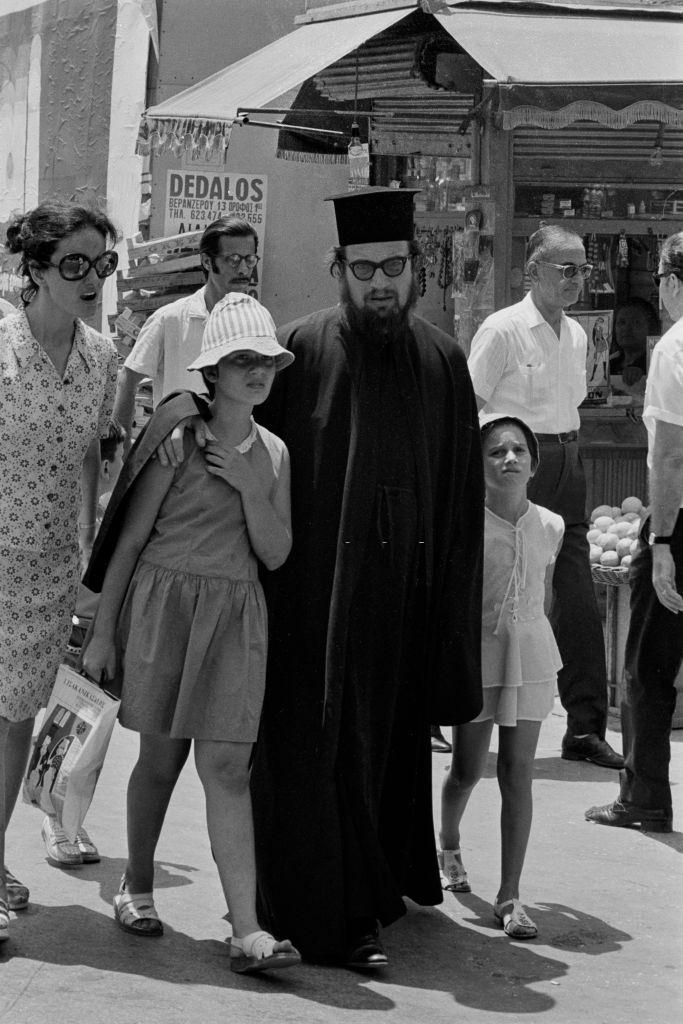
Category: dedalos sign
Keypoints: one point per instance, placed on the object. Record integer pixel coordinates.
(196, 198)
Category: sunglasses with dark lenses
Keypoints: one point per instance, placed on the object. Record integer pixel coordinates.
(76, 265)
(570, 270)
(364, 270)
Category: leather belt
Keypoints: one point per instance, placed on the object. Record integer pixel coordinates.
(569, 435)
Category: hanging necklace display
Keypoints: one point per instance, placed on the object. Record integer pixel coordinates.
(622, 251)
(446, 265)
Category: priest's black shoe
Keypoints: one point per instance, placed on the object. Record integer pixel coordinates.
(629, 816)
(440, 744)
(366, 953)
(590, 748)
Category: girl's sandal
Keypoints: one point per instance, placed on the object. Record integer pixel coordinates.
(17, 892)
(136, 913)
(4, 920)
(453, 874)
(259, 951)
(514, 920)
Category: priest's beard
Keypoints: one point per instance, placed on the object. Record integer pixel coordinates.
(368, 323)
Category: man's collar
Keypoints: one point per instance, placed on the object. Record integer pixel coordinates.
(532, 314)
(197, 303)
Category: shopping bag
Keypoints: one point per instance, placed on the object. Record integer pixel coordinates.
(69, 750)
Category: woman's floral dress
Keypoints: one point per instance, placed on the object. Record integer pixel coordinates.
(46, 426)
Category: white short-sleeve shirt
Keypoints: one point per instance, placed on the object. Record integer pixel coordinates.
(664, 388)
(519, 366)
(169, 341)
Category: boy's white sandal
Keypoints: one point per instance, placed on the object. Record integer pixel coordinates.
(260, 951)
(135, 913)
(453, 874)
(514, 920)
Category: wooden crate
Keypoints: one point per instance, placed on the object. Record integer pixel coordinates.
(160, 271)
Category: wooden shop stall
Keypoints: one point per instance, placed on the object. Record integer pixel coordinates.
(487, 109)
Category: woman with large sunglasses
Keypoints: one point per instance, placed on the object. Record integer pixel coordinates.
(57, 386)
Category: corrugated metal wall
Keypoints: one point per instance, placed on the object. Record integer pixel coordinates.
(593, 142)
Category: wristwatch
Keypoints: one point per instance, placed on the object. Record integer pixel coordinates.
(658, 539)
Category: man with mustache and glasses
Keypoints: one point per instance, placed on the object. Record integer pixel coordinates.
(376, 616)
(172, 336)
(529, 360)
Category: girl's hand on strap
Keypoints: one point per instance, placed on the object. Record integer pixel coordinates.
(171, 450)
(98, 660)
(230, 466)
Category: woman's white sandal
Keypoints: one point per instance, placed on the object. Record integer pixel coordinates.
(514, 920)
(260, 951)
(135, 913)
(453, 874)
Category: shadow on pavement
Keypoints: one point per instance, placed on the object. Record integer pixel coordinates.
(488, 971)
(477, 967)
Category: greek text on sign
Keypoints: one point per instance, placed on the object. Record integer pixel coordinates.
(196, 198)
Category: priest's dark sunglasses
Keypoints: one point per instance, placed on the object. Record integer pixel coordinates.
(365, 270)
(75, 265)
(569, 270)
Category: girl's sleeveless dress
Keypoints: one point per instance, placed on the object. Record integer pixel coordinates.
(520, 658)
(192, 632)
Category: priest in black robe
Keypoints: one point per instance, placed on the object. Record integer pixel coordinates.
(375, 618)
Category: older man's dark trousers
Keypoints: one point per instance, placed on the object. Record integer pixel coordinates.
(654, 651)
(560, 485)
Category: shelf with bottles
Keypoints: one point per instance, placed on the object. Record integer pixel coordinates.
(598, 208)
(638, 226)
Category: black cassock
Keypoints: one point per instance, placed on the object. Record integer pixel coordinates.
(374, 624)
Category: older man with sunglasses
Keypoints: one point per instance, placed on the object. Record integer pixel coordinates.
(529, 360)
(171, 338)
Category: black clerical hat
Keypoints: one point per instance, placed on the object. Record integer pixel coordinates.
(374, 214)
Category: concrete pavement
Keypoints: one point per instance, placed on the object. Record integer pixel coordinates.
(607, 903)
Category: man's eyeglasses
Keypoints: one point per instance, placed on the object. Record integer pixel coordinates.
(75, 265)
(662, 277)
(569, 270)
(365, 270)
(234, 259)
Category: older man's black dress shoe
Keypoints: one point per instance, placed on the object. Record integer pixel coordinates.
(590, 748)
(440, 744)
(365, 951)
(622, 815)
